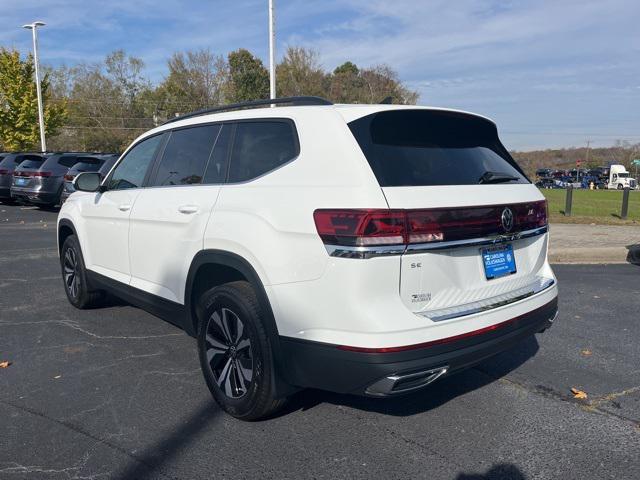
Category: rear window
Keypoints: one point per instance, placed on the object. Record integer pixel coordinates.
(88, 166)
(68, 160)
(32, 163)
(426, 147)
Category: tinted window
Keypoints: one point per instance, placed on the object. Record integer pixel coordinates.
(217, 166)
(131, 171)
(68, 160)
(185, 157)
(86, 167)
(259, 147)
(426, 147)
(32, 163)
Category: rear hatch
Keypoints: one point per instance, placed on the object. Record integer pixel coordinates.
(475, 225)
(28, 172)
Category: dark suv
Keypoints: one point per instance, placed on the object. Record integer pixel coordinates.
(93, 163)
(41, 182)
(8, 163)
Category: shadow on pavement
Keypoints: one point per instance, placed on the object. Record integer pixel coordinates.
(502, 471)
(633, 257)
(431, 397)
(149, 463)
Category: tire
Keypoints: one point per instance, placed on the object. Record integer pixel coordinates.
(235, 352)
(620, 187)
(74, 276)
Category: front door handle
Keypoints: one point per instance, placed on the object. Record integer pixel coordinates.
(188, 209)
(124, 207)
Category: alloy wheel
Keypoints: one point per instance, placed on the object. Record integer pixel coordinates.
(229, 353)
(70, 266)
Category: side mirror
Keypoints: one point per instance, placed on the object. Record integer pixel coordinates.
(87, 182)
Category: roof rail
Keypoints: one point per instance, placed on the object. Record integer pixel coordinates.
(294, 101)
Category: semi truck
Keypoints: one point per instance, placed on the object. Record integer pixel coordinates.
(619, 178)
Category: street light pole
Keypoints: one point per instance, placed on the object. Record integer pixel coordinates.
(272, 53)
(34, 31)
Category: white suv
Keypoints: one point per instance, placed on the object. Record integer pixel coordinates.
(365, 249)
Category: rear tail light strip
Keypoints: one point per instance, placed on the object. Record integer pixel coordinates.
(31, 174)
(372, 233)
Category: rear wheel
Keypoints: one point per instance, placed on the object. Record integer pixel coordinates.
(235, 352)
(74, 275)
(620, 187)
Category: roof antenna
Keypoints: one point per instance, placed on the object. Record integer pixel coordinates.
(386, 100)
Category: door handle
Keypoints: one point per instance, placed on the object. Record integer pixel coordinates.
(188, 209)
(124, 207)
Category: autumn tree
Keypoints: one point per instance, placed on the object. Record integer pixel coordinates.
(108, 104)
(19, 127)
(300, 73)
(196, 80)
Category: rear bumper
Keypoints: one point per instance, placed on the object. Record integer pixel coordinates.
(35, 196)
(329, 367)
(5, 192)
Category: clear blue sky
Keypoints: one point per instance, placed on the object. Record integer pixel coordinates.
(551, 73)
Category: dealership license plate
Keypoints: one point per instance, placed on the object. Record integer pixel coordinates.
(498, 261)
(21, 181)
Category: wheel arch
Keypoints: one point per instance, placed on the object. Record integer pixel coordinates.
(215, 267)
(65, 229)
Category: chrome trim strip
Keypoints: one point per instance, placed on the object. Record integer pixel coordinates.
(439, 315)
(343, 251)
(371, 251)
(475, 242)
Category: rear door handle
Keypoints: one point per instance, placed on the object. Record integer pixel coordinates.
(124, 208)
(188, 209)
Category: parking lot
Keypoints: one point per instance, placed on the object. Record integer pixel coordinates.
(116, 393)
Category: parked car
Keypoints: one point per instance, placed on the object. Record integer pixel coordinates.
(41, 183)
(8, 165)
(362, 249)
(597, 183)
(547, 183)
(544, 172)
(94, 163)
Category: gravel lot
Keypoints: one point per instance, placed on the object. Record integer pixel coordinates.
(117, 393)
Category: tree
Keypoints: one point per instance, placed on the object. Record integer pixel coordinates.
(299, 73)
(248, 78)
(345, 83)
(19, 127)
(196, 80)
(108, 104)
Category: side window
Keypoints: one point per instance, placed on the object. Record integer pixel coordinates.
(131, 171)
(259, 147)
(185, 157)
(217, 168)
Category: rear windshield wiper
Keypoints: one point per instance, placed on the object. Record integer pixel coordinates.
(496, 177)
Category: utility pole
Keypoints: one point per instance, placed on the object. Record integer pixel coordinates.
(272, 52)
(34, 31)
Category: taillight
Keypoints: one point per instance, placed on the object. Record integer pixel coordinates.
(42, 174)
(69, 178)
(3, 171)
(404, 227)
(361, 227)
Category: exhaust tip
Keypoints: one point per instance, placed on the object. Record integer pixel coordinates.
(403, 383)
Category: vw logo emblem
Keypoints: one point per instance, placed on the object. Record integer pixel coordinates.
(507, 219)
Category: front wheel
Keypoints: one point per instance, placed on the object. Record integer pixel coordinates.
(235, 352)
(74, 275)
(620, 187)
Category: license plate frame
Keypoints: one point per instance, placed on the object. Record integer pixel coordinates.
(498, 261)
(21, 182)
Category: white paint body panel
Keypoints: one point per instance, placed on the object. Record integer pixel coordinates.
(269, 223)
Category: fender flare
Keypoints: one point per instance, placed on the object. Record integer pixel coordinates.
(64, 222)
(229, 259)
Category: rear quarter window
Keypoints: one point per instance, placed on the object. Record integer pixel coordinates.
(431, 147)
(260, 147)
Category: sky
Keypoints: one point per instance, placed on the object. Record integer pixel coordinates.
(550, 73)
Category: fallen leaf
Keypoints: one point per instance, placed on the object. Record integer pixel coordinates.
(586, 353)
(4, 364)
(578, 393)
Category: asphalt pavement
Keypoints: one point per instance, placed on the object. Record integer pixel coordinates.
(116, 393)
